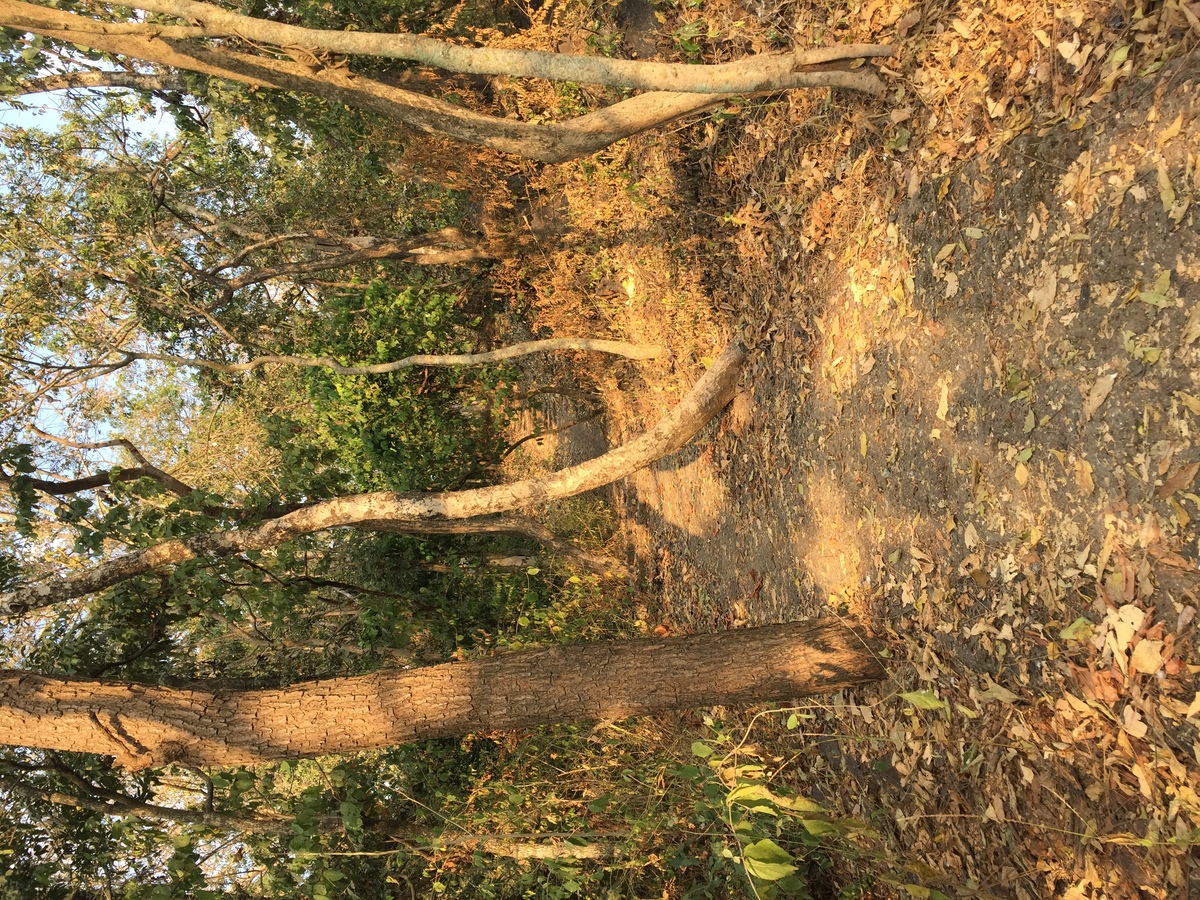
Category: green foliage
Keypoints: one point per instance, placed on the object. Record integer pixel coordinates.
(404, 430)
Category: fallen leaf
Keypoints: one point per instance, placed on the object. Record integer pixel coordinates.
(1083, 477)
(996, 692)
(1191, 331)
(970, 536)
(1169, 132)
(924, 700)
(1043, 295)
(1179, 480)
(1133, 724)
(1147, 657)
(1098, 394)
(1079, 630)
(1166, 193)
(1191, 402)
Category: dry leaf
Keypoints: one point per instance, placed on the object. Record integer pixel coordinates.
(1179, 480)
(1083, 477)
(970, 537)
(1098, 394)
(1191, 402)
(1166, 193)
(996, 692)
(1147, 657)
(1169, 132)
(1133, 724)
(1191, 331)
(1043, 295)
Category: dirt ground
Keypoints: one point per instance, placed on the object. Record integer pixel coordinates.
(967, 422)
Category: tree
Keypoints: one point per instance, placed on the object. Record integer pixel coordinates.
(215, 41)
(144, 726)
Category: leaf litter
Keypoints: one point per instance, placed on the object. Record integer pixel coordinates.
(969, 422)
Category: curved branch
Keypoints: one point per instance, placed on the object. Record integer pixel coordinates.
(525, 348)
(707, 398)
(747, 76)
(92, 445)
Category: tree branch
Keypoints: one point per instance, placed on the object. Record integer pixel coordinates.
(747, 76)
(707, 398)
(617, 348)
(119, 805)
(91, 80)
(546, 142)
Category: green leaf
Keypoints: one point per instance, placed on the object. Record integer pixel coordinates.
(924, 700)
(1079, 630)
(792, 722)
(701, 749)
(819, 827)
(799, 804)
(752, 797)
(765, 859)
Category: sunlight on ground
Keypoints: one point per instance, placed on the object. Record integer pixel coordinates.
(688, 496)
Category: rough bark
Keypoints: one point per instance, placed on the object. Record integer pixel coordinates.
(708, 397)
(169, 46)
(142, 726)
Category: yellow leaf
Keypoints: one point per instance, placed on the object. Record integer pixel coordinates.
(1190, 401)
(1083, 477)
(1022, 473)
(1166, 193)
(1169, 132)
(996, 692)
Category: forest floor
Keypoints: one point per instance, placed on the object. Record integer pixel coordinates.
(967, 421)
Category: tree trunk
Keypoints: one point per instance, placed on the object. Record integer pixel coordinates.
(408, 512)
(142, 726)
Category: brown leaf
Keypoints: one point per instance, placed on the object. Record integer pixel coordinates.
(1098, 394)
(1178, 480)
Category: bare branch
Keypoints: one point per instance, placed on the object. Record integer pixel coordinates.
(616, 348)
(92, 80)
(707, 398)
(510, 524)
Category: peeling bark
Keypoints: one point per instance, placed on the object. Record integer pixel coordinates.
(143, 726)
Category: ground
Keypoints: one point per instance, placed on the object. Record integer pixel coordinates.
(967, 423)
